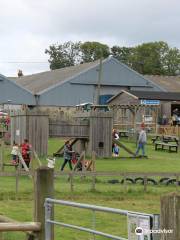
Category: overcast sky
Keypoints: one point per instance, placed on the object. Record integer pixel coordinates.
(27, 27)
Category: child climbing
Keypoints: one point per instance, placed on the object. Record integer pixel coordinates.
(14, 153)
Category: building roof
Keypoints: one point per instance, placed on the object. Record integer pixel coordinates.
(41, 81)
(11, 93)
(148, 95)
(114, 73)
(170, 83)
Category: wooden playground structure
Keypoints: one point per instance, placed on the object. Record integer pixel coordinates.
(90, 132)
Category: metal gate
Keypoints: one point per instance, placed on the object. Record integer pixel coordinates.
(135, 221)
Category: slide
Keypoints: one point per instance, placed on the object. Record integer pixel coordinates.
(123, 146)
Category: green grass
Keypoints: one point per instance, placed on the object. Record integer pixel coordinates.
(132, 197)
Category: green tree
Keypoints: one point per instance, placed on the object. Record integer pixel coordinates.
(123, 54)
(148, 58)
(63, 55)
(172, 61)
(91, 51)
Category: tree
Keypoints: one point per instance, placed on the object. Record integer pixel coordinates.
(63, 55)
(153, 58)
(172, 61)
(148, 58)
(123, 54)
(91, 51)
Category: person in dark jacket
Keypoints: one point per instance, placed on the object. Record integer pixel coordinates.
(67, 155)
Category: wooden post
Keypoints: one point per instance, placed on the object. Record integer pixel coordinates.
(93, 161)
(2, 154)
(170, 216)
(44, 188)
(156, 120)
(17, 180)
(145, 183)
(125, 183)
(71, 181)
(93, 187)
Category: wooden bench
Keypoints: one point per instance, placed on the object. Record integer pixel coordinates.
(156, 138)
(169, 138)
(123, 133)
(166, 146)
(165, 139)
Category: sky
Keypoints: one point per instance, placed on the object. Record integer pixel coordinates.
(28, 27)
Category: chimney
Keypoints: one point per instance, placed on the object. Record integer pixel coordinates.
(20, 73)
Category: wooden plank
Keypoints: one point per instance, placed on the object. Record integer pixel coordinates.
(20, 226)
(79, 160)
(170, 216)
(124, 147)
(37, 158)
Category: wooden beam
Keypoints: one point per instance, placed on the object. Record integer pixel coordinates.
(79, 160)
(20, 226)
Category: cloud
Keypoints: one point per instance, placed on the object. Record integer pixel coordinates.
(27, 27)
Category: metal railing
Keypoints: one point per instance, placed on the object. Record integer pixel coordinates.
(48, 221)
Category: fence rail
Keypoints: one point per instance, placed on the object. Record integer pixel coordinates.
(97, 173)
(94, 174)
(94, 208)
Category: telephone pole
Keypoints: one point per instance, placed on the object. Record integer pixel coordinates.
(99, 80)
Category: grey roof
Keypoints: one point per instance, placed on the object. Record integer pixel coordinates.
(114, 73)
(170, 83)
(150, 95)
(40, 81)
(163, 96)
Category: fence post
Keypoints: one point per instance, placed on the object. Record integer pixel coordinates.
(145, 183)
(2, 154)
(44, 188)
(170, 216)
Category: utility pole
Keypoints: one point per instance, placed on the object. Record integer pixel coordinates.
(99, 80)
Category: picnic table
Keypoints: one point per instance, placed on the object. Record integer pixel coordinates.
(165, 138)
(123, 133)
(166, 146)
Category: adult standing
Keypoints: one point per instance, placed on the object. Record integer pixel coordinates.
(142, 139)
(67, 155)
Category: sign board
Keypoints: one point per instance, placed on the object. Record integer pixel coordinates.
(17, 132)
(150, 102)
(148, 119)
(139, 227)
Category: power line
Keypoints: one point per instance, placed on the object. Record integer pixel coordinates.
(23, 62)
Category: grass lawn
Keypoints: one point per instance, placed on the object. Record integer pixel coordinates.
(113, 195)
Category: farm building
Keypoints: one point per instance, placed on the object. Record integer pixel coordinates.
(78, 84)
(137, 106)
(12, 93)
(169, 83)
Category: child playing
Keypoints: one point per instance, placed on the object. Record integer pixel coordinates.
(115, 150)
(14, 153)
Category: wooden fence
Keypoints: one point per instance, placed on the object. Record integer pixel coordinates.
(68, 130)
(169, 130)
(44, 188)
(34, 127)
(94, 174)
